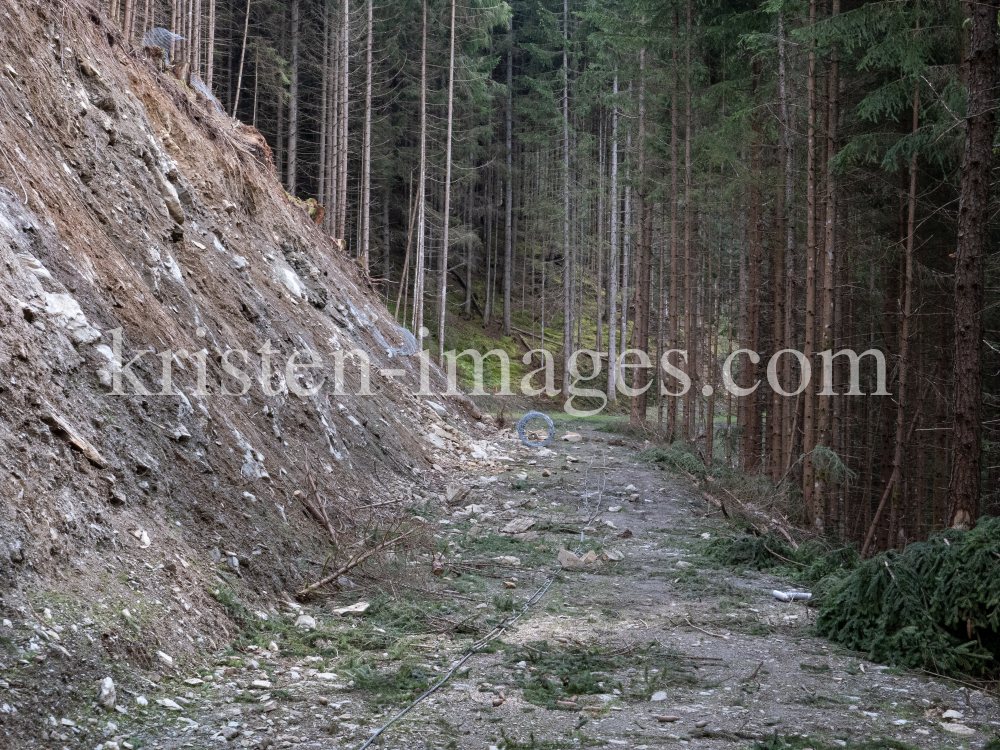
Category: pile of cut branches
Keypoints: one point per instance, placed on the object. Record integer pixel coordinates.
(934, 606)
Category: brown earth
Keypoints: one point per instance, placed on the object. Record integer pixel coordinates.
(128, 203)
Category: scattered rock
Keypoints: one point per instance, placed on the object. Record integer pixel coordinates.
(168, 704)
(952, 714)
(508, 560)
(569, 561)
(165, 659)
(456, 493)
(509, 585)
(193, 681)
(141, 700)
(261, 684)
(684, 564)
(106, 695)
(305, 622)
(572, 437)
(546, 473)
(701, 724)
(589, 558)
(518, 526)
(355, 609)
(668, 719)
(659, 695)
(959, 729)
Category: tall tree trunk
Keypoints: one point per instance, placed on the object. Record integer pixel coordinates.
(243, 54)
(508, 255)
(344, 95)
(751, 449)
(782, 437)
(210, 46)
(324, 109)
(673, 310)
(567, 259)
(293, 101)
(973, 213)
(601, 150)
(366, 167)
(689, 334)
(640, 336)
(814, 515)
(824, 417)
(418, 276)
(446, 217)
(613, 260)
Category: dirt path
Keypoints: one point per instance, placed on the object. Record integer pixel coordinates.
(658, 649)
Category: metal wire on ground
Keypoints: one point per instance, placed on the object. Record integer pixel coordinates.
(522, 424)
(502, 628)
(469, 652)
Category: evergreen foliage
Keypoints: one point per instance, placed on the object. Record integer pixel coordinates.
(935, 606)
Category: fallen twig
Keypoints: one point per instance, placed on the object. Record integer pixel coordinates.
(714, 635)
(353, 563)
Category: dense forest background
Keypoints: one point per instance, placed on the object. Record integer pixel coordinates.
(703, 176)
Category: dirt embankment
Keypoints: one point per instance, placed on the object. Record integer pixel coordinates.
(129, 204)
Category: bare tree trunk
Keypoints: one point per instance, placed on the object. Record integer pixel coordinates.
(825, 417)
(418, 276)
(196, 44)
(323, 108)
(446, 219)
(973, 212)
(345, 89)
(613, 261)
(688, 260)
(508, 255)
(783, 250)
(601, 149)
(210, 48)
(333, 130)
(293, 101)
(813, 513)
(567, 258)
(174, 23)
(366, 167)
(643, 250)
(750, 455)
(673, 312)
(243, 54)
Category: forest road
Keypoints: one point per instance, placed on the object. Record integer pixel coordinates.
(661, 648)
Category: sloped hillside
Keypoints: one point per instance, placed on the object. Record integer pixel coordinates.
(132, 211)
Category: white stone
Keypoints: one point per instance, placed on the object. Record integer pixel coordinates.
(305, 622)
(107, 695)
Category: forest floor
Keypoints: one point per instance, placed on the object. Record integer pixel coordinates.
(659, 649)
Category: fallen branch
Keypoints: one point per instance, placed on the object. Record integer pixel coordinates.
(784, 558)
(714, 635)
(317, 510)
(786, 535)
(353, 563)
